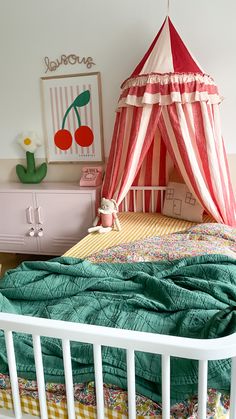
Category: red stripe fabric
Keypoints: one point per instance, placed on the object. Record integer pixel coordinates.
(144, 176)
(179, 154)
(184, 152)
(165, 135)
(182, 128)
(162, 163)
(227, 197)
(150, 133)
(216, 197)
(191, 180)
(182, 59)
(201, 145)
(139, 67)
(170, 116)
(114, 161)
(167, 89)
(132, 143)
(119, 161)
(152, 172)
(148, 137)
(215, 164)
(232, 200)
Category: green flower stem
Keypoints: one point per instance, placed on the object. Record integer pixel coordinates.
(31, 174)
(30, 162)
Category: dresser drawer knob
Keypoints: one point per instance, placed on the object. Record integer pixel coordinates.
(31, 232)
(40, 232)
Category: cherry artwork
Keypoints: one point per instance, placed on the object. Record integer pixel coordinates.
(83, 135)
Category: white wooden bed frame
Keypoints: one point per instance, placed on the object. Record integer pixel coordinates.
(154, 190)
(167, 346)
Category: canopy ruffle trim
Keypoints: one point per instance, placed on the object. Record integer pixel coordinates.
(168, 88)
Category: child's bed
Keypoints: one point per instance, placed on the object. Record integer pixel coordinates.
(135, 226)
(190, 282)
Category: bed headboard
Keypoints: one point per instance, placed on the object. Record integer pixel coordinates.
(144, 199)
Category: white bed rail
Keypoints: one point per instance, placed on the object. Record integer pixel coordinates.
(139, 204)
(131, 341)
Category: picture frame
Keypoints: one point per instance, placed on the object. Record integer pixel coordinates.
(72, 118)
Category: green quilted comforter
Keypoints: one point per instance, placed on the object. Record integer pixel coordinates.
(193, 297)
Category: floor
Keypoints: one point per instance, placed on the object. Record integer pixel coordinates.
(12, 260)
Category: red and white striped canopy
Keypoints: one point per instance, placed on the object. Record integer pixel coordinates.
(168, 114)
(167, 54)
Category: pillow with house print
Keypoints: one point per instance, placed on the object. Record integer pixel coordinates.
(181, 203)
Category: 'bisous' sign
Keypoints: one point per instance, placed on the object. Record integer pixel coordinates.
(52, 65)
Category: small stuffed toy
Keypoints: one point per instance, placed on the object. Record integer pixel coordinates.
(107, 214)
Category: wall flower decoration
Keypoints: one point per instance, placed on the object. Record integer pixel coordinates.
(29, 141)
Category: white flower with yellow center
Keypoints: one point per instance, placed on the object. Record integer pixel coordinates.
(29, 141)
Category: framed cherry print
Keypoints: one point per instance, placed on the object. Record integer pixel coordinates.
(72, 115)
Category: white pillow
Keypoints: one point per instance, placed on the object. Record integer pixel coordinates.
(180, 203)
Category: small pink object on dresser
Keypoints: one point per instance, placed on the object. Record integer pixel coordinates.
(91, 176)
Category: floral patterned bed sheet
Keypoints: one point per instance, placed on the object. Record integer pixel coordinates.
(116, 400)
(210, 238)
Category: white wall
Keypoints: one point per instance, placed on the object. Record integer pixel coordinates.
(116, 34)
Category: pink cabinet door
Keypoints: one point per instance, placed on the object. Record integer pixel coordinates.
(16, 221)
(63, 219)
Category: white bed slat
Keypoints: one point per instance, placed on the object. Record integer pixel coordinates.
(143, 201)
(68, 378)
(40, 376)
(162, 199)
(232, 390)
(126, 203)
(202, 389)
(13, 373)
(97, 353)
(165, 372)
(152, 198)
(143, 189)
(134, 199)
(131, 383)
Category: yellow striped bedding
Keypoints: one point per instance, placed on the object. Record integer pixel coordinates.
(134, 226)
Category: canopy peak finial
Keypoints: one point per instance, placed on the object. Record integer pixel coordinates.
(168, 8)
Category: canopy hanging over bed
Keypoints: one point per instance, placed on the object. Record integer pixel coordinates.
(168, 114)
